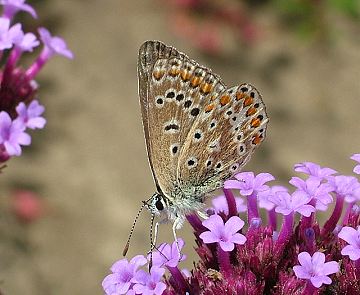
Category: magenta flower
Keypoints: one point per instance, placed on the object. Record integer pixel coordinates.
(352, 237)
(123, 277)
(248, 183)
(225, 234)
(346, 186)
(356, 157)
(315, 269)
(11, 7)
(220, 204)
(297, 202)
(8, 35)
(12, 135)
(314, 170)
(149, 284)
(31, 115)
(168, 254)
(316, 190)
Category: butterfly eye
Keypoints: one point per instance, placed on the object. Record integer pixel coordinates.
(159, 205)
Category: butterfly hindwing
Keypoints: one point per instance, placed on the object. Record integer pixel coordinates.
(232, 126)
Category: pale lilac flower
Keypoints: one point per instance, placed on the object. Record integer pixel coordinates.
(346, 186)
(54, 45)
(314, 170)
(264, 196)
(168, 254)
(220, 204)
(352, 237)
(8, 35)
(248, 183)
(31, 115)
(296, 202)
(356, 157)
(315, 190)
(26, 42)
(11, 7)
(123, 277)
(315, 268)
(149, 284)
(12, 134)
(225, 234)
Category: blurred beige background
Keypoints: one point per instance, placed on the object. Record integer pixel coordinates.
(90, 166)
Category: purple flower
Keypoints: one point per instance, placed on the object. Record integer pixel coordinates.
(352, 237)
(11, 7)
(54, 45)
(168, 254)
(31, 115)
(356, 157)
(346, 186)
(315, 190)
(225, 234)
(12, 134)
(123, 277)
(220, 204)
(26, 42)
(265, 196)
(148, 284)
(297, 202)
(314, 170)
(8, 35)
(315, 269)
(248, 184)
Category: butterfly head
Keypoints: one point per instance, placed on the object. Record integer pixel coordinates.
(156, 204)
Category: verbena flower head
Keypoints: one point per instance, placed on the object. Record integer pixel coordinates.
(352, 237)
(123, 275)
(315, 269)
(226, 234)
(302, 254)
(18, 88)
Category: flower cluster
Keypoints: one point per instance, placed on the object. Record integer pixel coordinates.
(19, 108)
(298, 256)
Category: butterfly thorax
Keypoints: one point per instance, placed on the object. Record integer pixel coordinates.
(174, 207)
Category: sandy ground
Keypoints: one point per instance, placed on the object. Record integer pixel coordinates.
(90, 164)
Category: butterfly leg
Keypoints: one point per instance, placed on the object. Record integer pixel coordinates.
(202, 214)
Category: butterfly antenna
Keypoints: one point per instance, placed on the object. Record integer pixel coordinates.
(152, 246)
(126, 248)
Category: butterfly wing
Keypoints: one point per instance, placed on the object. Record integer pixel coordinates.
(172, 90)
(232, 126)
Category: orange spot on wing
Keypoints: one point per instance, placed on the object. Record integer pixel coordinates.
(250, 111)
(248, 101)
(158, 74)
(225, 99)
(257, 139)
(209, 108)
(240, 95)
(185, 75)
(255, 122)
(195, 81)
(174, 72)
(206, 88)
